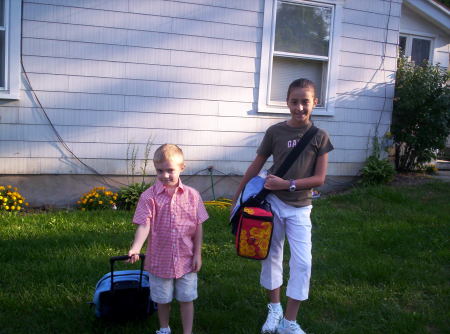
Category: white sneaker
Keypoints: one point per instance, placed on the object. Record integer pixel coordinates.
(289, 327)
(273, 319)
(164, 331)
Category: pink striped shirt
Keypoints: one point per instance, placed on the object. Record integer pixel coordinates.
(173, 223)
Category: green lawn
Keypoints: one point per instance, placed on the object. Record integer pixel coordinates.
(380, 265)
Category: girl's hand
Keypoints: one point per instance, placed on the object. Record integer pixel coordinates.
(197, 263)
(134, 256)
(276, 183)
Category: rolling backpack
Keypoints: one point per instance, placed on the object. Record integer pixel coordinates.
(125, 294)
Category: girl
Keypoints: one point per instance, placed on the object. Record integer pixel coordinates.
(290, 199)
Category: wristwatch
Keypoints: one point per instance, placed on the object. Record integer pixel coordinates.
(292, 186)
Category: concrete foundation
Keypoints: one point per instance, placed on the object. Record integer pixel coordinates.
(62, 191)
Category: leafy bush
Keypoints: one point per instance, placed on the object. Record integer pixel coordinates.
(421, 116)
(10, 199)
(98, 198)
(129, 195)
(377, 171)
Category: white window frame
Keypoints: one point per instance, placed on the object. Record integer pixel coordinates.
(267, 54)
(408, 47)
(12, 26)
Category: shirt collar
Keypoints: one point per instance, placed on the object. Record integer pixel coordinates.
(301, 128)
(159, 187)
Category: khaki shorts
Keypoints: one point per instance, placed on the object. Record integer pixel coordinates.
(163, 290)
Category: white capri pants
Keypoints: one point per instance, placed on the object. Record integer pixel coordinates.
(296, 224)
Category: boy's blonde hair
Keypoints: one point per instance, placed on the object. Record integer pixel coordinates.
(168, 152)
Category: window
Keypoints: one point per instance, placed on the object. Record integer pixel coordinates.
(297, 42)
(417, 49)
(2, 44)
(10, 48)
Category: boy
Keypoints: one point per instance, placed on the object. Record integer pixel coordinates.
(170, 215)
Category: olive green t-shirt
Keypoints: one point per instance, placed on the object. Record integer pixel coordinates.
(278, 141)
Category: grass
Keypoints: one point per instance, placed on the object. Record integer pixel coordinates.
(380, 265)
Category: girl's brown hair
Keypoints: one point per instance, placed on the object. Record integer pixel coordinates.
(301, 83)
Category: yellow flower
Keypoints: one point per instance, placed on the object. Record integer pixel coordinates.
(20, 201)
(5, 200)
(26, 204)
(96, 195)
(2, 188)
(8, 186)
(13, 207)
(1, 197)
(114, 197)
(100, 202)
(14, 198)
(7, 207)
(18, 208)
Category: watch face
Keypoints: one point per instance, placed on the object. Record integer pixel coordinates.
(292, 187)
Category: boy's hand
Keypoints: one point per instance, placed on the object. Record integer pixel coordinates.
(197, 263)
(134, 256)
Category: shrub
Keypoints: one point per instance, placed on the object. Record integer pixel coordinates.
(11, 200)
(421, 116)
(98, 198)
(377, 171)
(129, 195)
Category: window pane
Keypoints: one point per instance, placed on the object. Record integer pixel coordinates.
(402, 45)
(286, 70)
(2, 13)
(302, 29)
(420, 50)
(2, 59)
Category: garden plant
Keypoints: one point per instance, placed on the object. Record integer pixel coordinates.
(98, 198)
(11, 200)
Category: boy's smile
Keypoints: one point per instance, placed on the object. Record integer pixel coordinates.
(168, 172)
(301, 102)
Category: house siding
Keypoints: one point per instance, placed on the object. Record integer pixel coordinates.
(111, 73)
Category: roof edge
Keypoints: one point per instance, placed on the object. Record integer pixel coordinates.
(432, 11)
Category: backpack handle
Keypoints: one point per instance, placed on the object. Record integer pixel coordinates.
(124, 258)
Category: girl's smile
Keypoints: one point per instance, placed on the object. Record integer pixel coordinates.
(301, 102)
